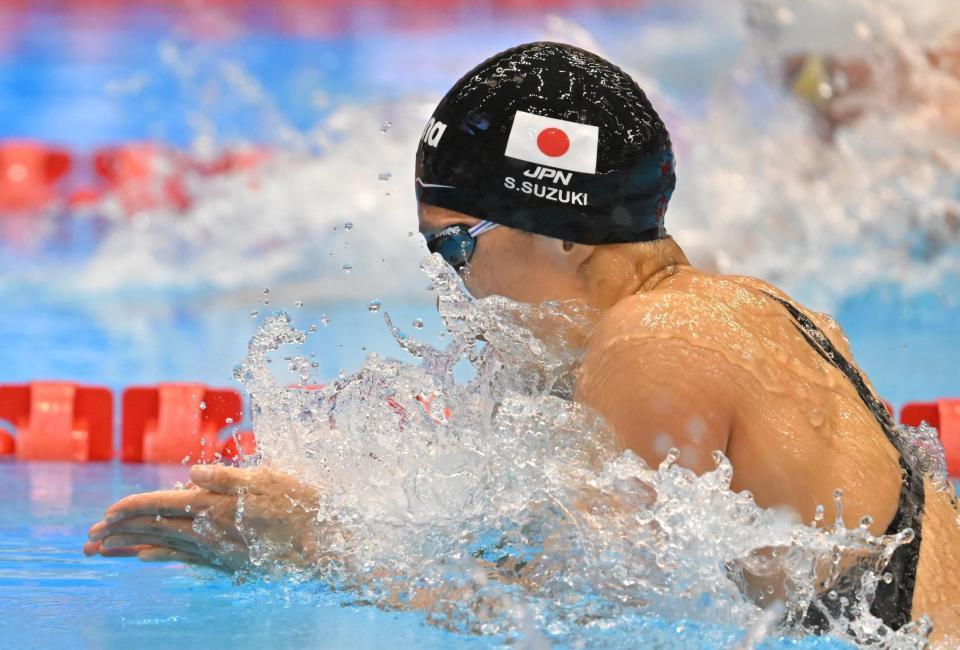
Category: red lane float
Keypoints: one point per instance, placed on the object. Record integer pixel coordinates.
(238, 446)
(172, 422)
(144, 176)
(29, 174)
(59, 421)
(140, 176)
(944, 415)
(7, 443)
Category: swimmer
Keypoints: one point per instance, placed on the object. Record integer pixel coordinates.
(544, 174)
(839, 91)
(846, 61)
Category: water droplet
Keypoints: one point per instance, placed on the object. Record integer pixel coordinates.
(298, 304)
(228, 420)
(816, 417)
(384, 176)
(187, 508)
(347, 268)
(266, 290)
(203, 406)
(866, 521)
(373, 306)
(385, 126)
(418, 324)
(158, 518)
(324, 320)
(818, 515)
(832, 594)
(887, 577)
(348, 226)
(313, 327)
(254, 313)
(409, 233)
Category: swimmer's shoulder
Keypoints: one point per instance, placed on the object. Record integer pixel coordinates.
(717, 311)
(827, 323)
(692, 302)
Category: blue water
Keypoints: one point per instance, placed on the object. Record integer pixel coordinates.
(88, 81)
(907, 345)
(53, 597)
(113, 75)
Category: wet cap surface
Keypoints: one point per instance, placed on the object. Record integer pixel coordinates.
(551, 139)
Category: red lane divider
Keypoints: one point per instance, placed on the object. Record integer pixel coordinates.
(170, 422)
(140, 176)
(29, 174)
(238, 446)
(944, 416)
(58, 421)
(7, 443)
(144, 176)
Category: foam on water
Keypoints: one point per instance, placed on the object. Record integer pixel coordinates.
(501, 507)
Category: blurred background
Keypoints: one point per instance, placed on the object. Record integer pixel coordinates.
(171, 172)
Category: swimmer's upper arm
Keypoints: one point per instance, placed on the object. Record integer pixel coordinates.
(657, 393)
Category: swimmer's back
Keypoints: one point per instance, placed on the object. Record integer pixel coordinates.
(799, 429)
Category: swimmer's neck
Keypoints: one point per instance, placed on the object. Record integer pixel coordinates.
(653, 263)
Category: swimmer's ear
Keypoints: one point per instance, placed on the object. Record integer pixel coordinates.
(566, 254)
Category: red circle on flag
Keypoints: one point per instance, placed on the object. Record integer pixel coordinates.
(553, 142)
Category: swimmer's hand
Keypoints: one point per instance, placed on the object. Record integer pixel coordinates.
(215, 522)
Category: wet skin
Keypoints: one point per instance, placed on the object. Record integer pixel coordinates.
(680, 358)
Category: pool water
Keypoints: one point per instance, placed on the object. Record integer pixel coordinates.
(169, 297)
(54, 597)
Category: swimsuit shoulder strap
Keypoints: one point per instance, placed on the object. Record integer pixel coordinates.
(893, 601)
(819, 341)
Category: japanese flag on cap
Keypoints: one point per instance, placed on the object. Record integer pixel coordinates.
(554, 143)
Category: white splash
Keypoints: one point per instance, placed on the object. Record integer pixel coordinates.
(497, 501)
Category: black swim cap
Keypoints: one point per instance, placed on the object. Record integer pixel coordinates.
(550, 139)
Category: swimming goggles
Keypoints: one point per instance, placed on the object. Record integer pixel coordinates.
(456, 243)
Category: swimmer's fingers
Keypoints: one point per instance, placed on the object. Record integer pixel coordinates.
(179, 527)
(96, 548)
(165, 503)
(161, 554)
(91, 548)
(223, 556)
(122, 551)
(258, 480)
(141, 541)
(213, 519)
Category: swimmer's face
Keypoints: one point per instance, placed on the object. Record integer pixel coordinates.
(518, 265)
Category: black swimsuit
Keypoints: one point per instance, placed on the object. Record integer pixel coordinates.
(894, 599)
